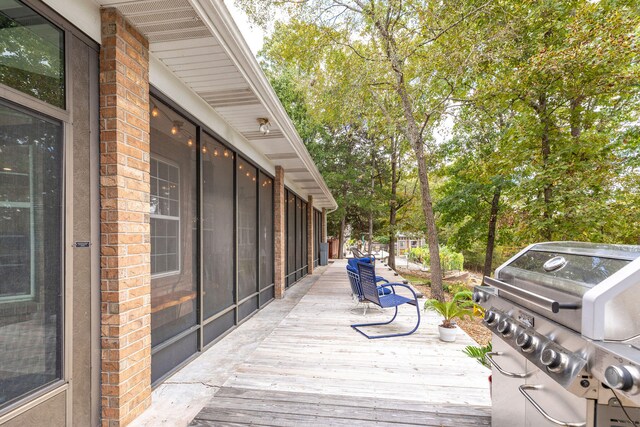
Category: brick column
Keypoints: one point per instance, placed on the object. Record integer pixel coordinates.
(324, 226)
(278, 231)
(125, 241)
(310, 234)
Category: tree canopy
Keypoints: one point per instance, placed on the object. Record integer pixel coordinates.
(541, 99)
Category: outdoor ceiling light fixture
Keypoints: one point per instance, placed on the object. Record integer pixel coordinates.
(264, 125)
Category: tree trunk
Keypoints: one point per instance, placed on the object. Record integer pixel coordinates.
(547, 190)
(491, 238)
(432, 232)
(414, 136)
(370, 242)
(393, 207)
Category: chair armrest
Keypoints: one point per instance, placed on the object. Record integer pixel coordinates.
(381, 279)
(393, 285)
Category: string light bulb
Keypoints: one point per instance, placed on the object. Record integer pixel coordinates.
(176, 127)
(247, 174)
(240, 167)
(226, 153)
(215, 152)
(154, 111)
(190, 142)
(204, 149)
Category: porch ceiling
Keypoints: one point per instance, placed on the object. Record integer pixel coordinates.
(200, 43)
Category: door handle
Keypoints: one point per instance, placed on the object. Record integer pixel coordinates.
(489, 357)
(524, 387)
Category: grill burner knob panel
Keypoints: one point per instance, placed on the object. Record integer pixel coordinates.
(505, 327)
(554, 360)
(619, 377)
(526, 342)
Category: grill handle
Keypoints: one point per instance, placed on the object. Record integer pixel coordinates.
(524, 387)
(489, 357)
(539, 300)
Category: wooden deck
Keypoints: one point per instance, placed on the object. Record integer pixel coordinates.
(313, 368)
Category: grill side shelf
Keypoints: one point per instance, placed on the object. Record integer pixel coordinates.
(539, 300)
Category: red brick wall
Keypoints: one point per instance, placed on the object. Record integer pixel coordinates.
(279, 232)
(125, 241)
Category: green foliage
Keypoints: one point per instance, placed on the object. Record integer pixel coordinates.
(458, 307)
(543, 98)
(454, 288)
(449, 259)
(478, 353)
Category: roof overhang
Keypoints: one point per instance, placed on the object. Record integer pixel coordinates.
(199, 42)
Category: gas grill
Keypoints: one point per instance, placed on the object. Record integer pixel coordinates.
(565, 318)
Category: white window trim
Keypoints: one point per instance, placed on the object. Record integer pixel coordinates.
(168, 217)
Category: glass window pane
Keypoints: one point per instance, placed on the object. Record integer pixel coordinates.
(32, 53)
(247, 228)
(298, 238)
(304, 237)
(30, 253)
(266, 231)
(173, 225)
(317, 233)
(217, 227)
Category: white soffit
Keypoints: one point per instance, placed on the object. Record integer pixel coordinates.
(198, 41)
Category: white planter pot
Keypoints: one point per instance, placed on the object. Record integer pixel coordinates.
(448, 334)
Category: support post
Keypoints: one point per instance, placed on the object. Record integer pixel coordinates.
(125, 249)
(310, 234)
(279, 232)
(324, 226)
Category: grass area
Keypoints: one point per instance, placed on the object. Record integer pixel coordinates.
(415, 280)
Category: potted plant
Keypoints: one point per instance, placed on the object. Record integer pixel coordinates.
(459, 307)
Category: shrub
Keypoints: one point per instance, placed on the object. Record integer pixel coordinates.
(449, 259)
(478, 353)
(454, 288)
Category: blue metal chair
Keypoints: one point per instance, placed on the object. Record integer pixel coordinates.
(352, 265)
(370, 293)
(356, 290)
(354, 277)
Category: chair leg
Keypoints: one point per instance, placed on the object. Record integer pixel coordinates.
(373, 337)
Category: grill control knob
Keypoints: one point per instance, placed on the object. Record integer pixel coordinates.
(505, 327)
(554, 360)
(490, 317)
(618, 377)
(477, 297)
(526, 342)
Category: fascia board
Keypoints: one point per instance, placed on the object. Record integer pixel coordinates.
(221, 24)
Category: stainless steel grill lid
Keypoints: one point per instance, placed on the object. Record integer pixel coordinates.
(571, 269)
(602, 279)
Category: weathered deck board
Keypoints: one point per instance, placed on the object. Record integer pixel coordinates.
(314, 369)
(232, 405)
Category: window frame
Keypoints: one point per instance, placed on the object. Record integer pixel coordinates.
(168, 273)
(43, 110)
